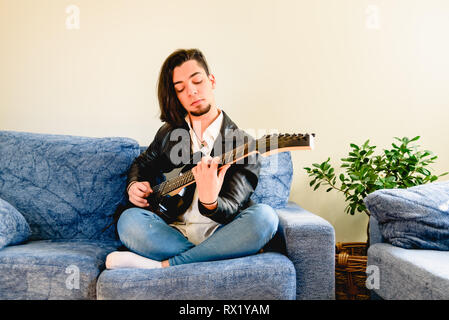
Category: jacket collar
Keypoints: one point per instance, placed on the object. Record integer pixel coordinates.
(227, 126)
(219, 145)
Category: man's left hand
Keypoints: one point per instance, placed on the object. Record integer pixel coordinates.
(208, 179)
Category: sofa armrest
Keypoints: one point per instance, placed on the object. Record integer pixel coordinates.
(310, 245)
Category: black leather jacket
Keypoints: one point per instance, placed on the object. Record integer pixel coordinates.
(240, 180)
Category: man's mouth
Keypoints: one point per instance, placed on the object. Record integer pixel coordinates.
(196, 102)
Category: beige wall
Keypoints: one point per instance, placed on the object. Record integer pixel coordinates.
(347, 70)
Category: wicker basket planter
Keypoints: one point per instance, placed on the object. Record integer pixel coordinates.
(350, 271)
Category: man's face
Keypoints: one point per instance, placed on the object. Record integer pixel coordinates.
(194, 88)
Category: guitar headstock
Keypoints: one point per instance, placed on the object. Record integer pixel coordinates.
(275, 143)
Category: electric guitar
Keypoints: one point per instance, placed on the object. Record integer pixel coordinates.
(172, 197)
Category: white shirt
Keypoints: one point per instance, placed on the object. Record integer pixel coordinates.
(192, 224)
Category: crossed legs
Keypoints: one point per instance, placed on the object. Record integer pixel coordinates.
(151, 241)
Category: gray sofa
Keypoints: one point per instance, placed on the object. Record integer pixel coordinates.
(408, 257)
(59, 192)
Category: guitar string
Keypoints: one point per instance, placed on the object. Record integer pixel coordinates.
(186, 177)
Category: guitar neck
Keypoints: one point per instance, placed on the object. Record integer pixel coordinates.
(265, 146)
(187, 177)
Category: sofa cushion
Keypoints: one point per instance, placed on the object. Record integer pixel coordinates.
(261, 276)
(417, 217)
(66, 187)
(413, 274)
(275, 180)
(14, 229)
(53, 269)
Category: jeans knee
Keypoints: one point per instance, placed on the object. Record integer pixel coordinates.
(265, 221)
(130, 223)
(125, 221)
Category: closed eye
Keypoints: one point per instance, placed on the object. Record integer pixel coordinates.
(194, 82)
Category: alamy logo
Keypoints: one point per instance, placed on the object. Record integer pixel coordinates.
(73, 280)
(233, 139)
(72, 21)
(372, 17)
(373, 277)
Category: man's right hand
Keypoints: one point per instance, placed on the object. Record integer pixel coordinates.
(138, 192)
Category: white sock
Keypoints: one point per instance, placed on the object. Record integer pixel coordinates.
(128, 259)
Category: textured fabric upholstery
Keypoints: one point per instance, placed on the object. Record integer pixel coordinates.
(66, 187)
(261, 276)
(14, 229)
(53, 269)
(410, 274)
(407, 273)
(416, 217)
(275, 178)
(310, 244)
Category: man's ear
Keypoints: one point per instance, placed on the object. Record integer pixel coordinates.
(212, 80)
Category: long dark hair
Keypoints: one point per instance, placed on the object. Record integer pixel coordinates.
(172, 110)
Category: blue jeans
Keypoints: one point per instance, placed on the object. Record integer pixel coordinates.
(146, 234)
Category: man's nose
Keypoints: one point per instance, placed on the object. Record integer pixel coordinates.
(191, 90)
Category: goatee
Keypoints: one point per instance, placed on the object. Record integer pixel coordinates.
(201, 111)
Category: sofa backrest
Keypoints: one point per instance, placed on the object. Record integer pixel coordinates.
(66, 187)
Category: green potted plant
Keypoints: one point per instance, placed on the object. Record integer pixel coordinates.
(402, 166)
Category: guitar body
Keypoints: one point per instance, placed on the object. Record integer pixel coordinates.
(170, 207)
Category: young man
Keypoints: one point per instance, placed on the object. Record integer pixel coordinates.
(221, 221)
